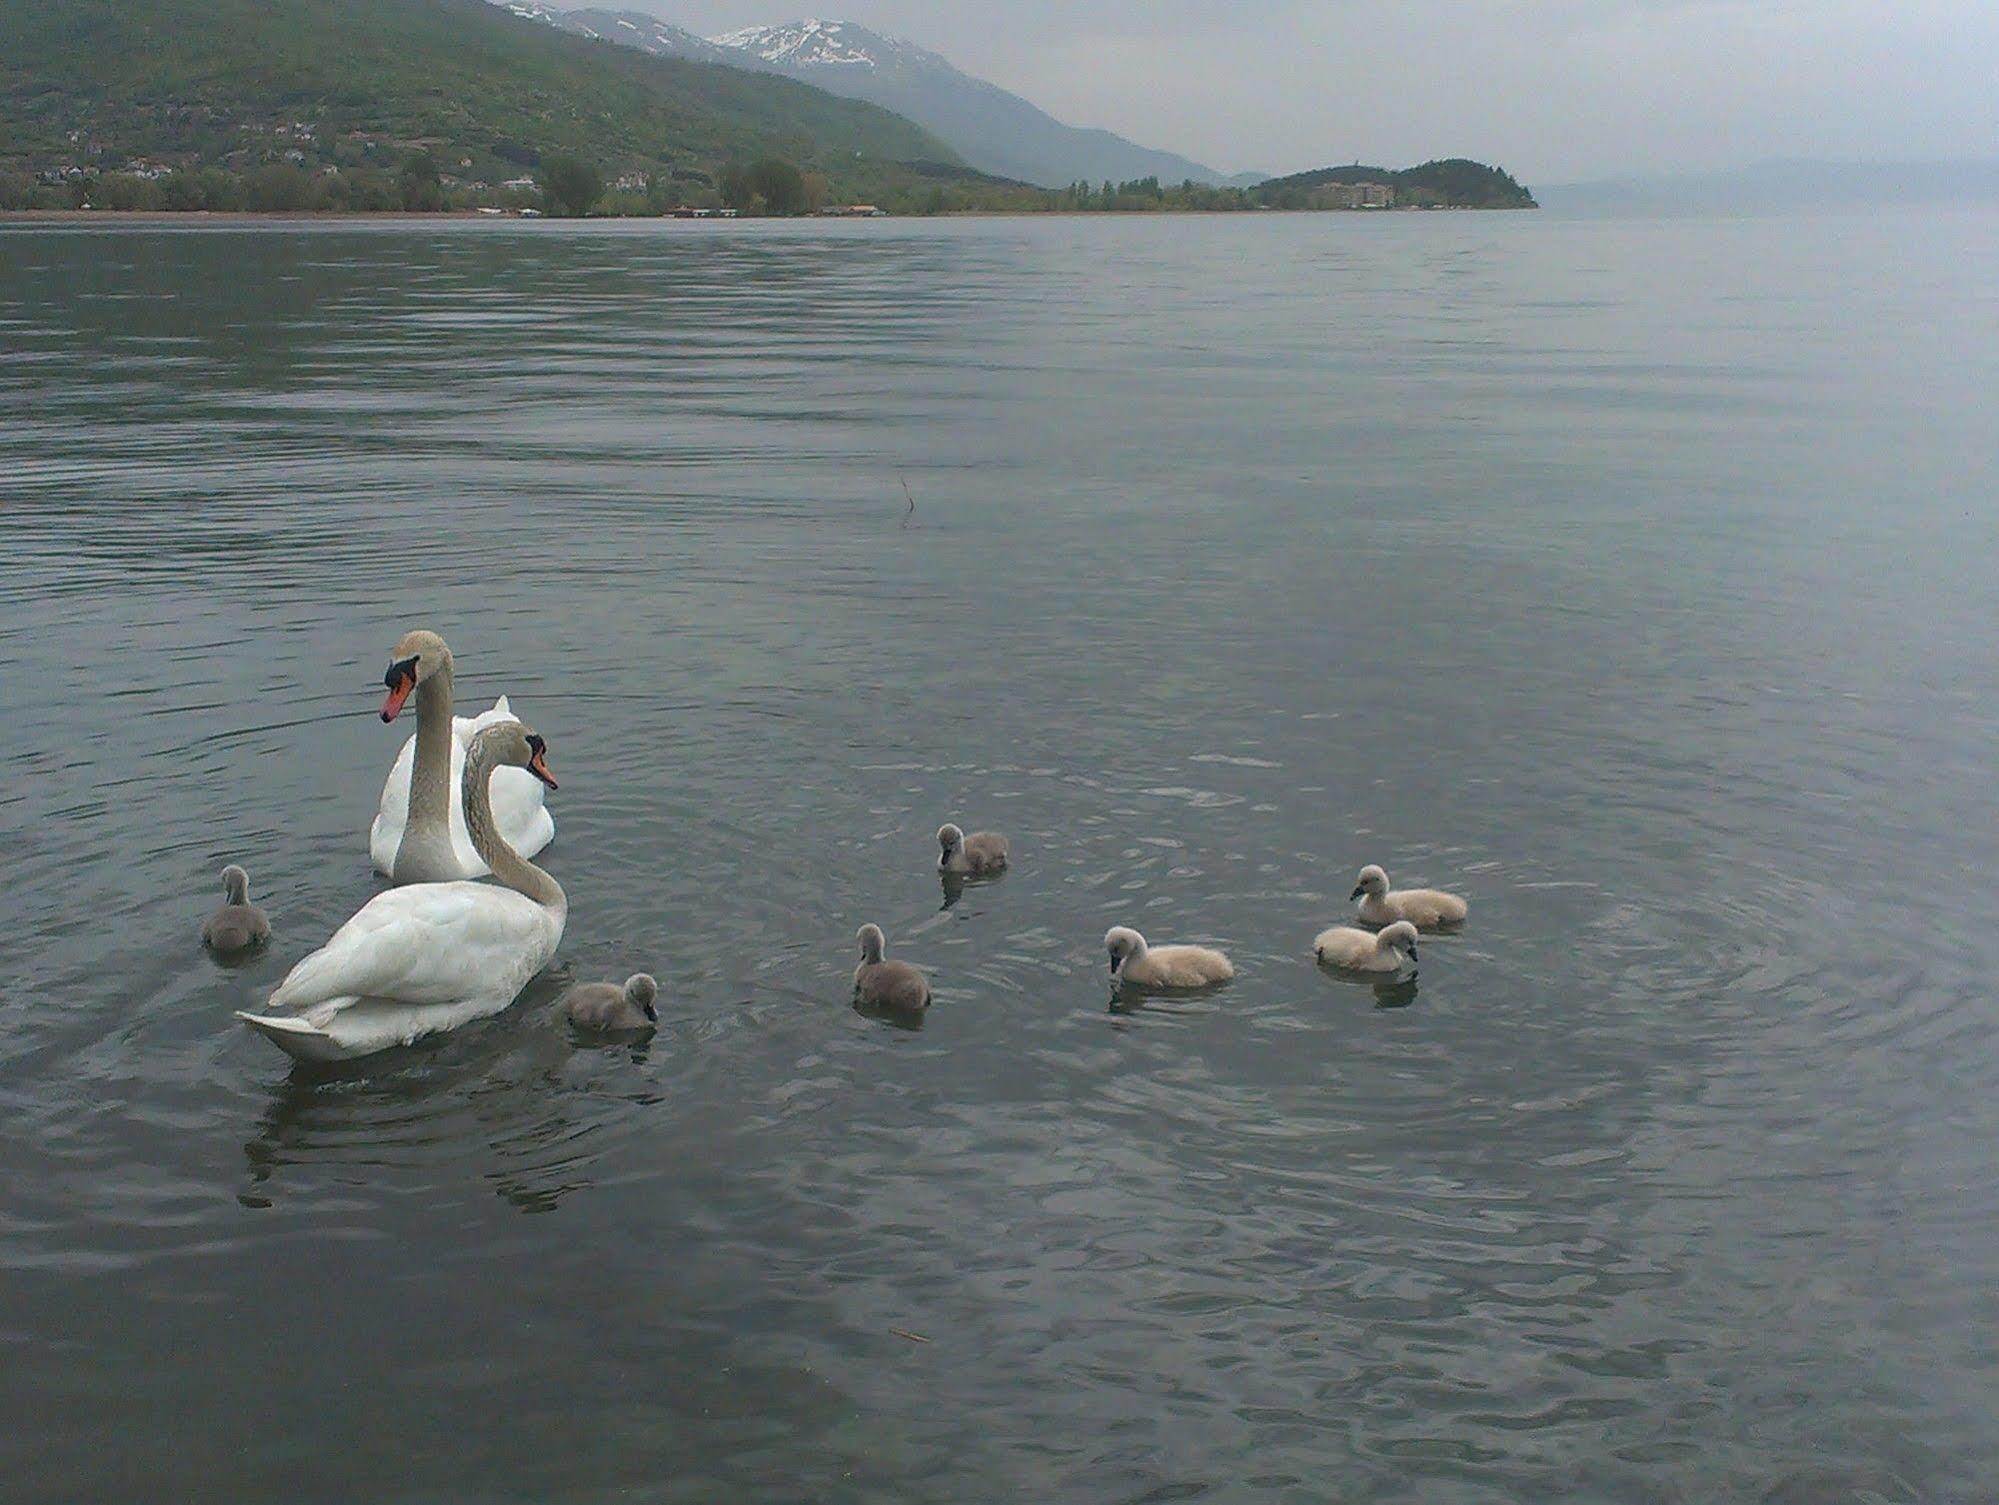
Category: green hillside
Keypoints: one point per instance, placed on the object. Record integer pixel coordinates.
(1450, 182)
(245, 84)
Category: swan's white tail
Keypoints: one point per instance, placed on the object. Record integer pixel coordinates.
(294, 1036)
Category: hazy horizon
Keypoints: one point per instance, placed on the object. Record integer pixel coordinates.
(1553, 90)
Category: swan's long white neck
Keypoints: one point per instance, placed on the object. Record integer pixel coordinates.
(430, 775)
(508, 866)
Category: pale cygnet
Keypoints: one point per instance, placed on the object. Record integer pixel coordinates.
(238, 925)
(607, 1007)
(1386, 950)
(879, 984)
(1133, 961)
(1425, 908)
(976, 856)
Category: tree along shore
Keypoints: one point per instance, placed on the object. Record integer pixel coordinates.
(573, 186)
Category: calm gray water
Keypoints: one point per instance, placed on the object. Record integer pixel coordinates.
(1635, 578)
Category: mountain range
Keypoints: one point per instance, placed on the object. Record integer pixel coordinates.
(351, 86)
(995, 131)
(375, 105)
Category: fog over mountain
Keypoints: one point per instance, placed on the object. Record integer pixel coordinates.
(1776, 187)
(1557, 90)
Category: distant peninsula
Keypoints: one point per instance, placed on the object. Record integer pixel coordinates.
(1449, 183)
(440, 106)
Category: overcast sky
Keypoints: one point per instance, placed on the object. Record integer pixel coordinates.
(1554, 90)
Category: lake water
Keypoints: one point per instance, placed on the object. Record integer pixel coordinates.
(1635, 578)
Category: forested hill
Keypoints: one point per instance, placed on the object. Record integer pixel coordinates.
(1451, 182)
(357, 83)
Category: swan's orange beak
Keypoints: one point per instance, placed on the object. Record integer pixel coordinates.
(538, 763)
(398, 692)
(401, 679)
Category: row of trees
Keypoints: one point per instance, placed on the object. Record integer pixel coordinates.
(568, 185)
(415, 187)
(772, 185)
(575, 186)
(1141, 194)
(565, 185)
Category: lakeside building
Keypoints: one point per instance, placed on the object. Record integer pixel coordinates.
(1354, 196)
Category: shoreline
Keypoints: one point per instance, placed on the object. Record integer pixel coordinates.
(473, 216)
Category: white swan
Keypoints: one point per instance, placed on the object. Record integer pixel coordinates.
(1367, 950)
(1425, 908)
(419, 834)
(1133, 961)
(428, 956)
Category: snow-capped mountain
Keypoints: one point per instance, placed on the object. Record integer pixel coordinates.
(799, 44)
(527, 10)
(994, 130)
(631, 28)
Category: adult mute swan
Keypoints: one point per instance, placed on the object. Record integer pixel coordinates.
(428, 956)
(1425, 908)
(975, 856)
(1133, 961)
(419, 835)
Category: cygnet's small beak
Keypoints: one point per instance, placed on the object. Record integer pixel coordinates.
(1358, 890)
(652, 1013)
(1114, 966)
(1412, 953)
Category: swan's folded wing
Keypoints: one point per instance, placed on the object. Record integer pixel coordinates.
(425, 943)
(395, 807)
(385, 835)
(519, 811)
(466, 729)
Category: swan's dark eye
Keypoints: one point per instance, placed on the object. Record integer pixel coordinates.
(399, 672)
(536, 745)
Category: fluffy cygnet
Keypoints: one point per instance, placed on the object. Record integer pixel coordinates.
(238, 925)
(608, 1006)
(1425, 908)
(880, 984)
(1368, 950)
(974, 856)
(1133, 961)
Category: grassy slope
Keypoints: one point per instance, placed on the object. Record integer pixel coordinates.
(207, 78)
